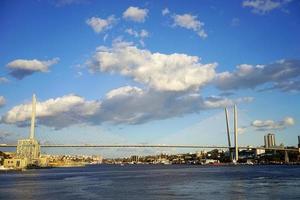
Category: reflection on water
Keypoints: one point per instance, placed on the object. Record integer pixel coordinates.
(154, 182)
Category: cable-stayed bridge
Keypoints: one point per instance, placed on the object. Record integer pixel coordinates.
(32, 145)
(151, 146)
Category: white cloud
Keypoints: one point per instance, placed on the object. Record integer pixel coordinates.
(264, 6)
(165, 72)
(105, 37)
(57, 113)
(265, 125)
(190, 22)
(20, 68)
(142, 34)
(283, 75)
(99, 25)
(135, 14)
(2, 101)
(165, 11)
(242, 130)
(222, 102)
(122, 91)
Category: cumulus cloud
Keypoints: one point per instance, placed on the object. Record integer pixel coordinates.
(264, 6)
(58, 113)
(21, 68)
(124, 105)
(265, 125)
(99, 25)
(164, 72)
(283, 75)
(165, 11)
(135, 14)
(190, 22)
(124, 91)
(2, 101)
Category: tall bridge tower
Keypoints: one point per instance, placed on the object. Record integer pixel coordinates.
(29, 149)
(235, 126)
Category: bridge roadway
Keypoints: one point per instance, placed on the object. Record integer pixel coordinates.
(149, 146)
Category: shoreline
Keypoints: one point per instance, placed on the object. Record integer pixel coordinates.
(5, 170)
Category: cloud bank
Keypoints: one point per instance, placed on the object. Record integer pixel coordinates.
(124, 105)
(283, 75)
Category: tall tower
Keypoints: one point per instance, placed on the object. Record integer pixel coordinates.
(236, 134)
(227, 128)
(29, 149)
(228, 134)
(33, 117)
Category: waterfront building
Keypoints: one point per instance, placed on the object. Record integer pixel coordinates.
(15, 163)
(134, 159)
(298, 141)
(28, 150)
(259, 151)
(269, 140)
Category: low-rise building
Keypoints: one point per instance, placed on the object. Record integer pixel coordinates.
(15, 163)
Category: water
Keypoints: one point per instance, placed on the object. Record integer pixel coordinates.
(140, 182)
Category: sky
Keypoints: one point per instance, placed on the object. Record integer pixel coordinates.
(149, 72)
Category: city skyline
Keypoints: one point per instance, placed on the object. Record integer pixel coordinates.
(144, 72)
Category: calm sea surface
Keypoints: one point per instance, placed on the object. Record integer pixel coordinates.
(140, 182)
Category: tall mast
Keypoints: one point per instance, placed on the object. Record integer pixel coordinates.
(33, 117)
(236, 134)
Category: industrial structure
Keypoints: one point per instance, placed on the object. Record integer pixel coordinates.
(28, 150)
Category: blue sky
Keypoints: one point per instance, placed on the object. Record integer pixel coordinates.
(149, 71)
